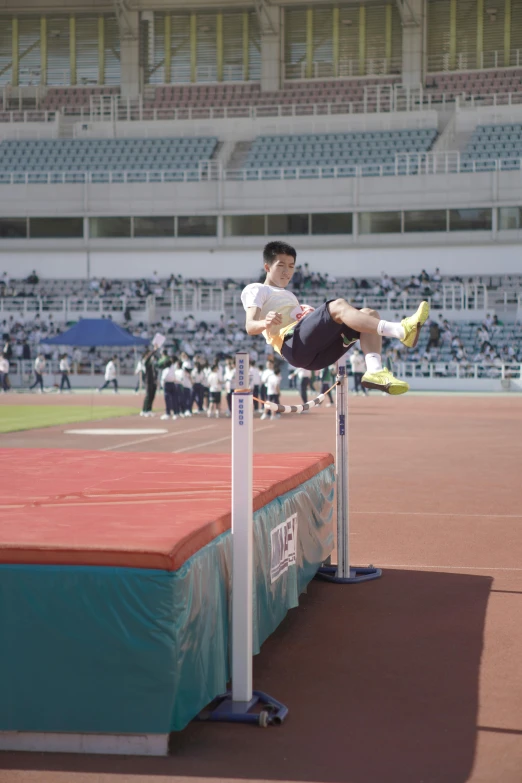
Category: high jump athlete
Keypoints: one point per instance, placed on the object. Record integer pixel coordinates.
(314, 339)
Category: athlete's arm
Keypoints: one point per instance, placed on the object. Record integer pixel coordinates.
(255, 325)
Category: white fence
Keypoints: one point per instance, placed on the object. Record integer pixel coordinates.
(444, 376)
(179, 299)
(453, 297)
(473, 61)
(405, 164)
(458, 370)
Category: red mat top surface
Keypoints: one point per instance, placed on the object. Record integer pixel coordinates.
(139, 510)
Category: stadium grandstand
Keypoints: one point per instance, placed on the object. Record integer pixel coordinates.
(148, 151)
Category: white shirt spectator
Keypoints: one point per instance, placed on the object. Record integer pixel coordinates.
(64, 365)
(273, 384)
(254, 376)
(168, 375)
(154, 278)
(110, 371)
(214, 381)
(265, 375)
(230, 379)
(302, 373)
(357, 362)
(4, 365)
(39, 364)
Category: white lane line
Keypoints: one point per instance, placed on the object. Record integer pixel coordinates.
(120, 431)
(159, 437)
(448, 567)
(217, 440)
(440, 514)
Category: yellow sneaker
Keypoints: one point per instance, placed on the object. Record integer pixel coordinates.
(413, 324)
(384, 381)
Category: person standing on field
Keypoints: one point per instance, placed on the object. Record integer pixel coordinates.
(358, 366)
(111, 372)
(39, 369)
(65, 369)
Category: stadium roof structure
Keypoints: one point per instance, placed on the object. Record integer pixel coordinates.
(93, 332)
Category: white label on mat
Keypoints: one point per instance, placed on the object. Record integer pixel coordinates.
(283, 540)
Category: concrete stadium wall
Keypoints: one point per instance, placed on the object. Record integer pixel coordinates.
(238, 262)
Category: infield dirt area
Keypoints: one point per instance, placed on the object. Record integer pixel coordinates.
(413, 678)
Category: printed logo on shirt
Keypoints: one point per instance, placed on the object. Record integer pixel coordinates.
(283, 547)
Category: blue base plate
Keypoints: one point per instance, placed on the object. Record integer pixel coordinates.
(328, 573)
(272, 712)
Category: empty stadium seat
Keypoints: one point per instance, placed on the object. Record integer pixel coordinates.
(318, 154)
(107, 155)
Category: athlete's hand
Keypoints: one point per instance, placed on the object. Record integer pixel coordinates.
(273, 319)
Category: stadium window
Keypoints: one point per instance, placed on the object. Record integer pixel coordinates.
(197, 226)
(510, 218)
(332, 223)
(380, 223)
(425, 220)
(153, 226)
(13, 228)
(244, 225)
(56, 228)
(287, 224)
(470, 220)
(110, 228)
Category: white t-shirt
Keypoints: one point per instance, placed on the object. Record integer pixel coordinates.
(273, 384)
(39, 364)
(271, 298)
(357, 362)
(230, 378)
(64, 365)
(265, 375)
(168, 375)
(255, 376)
(110, 371)
(4, 365)
(214, 381)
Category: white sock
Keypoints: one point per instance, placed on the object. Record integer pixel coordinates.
(390, 329)
(373, 362)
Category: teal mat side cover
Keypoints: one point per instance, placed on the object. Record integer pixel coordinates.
(117, 650)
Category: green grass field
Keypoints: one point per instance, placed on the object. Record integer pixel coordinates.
(29, 417)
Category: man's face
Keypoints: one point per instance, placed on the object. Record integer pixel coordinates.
(281, 271)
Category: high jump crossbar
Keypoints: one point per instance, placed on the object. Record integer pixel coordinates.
(237, 705)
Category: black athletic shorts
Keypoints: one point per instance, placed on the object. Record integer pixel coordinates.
(317, 340)
(215, 397)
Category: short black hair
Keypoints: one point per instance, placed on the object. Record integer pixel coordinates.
(274, 249)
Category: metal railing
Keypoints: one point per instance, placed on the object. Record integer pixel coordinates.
(185, 299)
(69, 306)
(459, 370)
(405, 164)
(453, 296)
(326, 69)
(118, 109)
(471, 61)
(30, 115)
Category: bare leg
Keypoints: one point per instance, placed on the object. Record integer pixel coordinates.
(364, 321)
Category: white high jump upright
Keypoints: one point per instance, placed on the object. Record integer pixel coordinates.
(342, 572)
(242, 704)
(242, 533)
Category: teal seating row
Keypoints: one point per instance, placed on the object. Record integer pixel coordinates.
(338, 150)
(77, 155)
(493, 142)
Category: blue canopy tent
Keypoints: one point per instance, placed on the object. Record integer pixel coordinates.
(93, 332)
